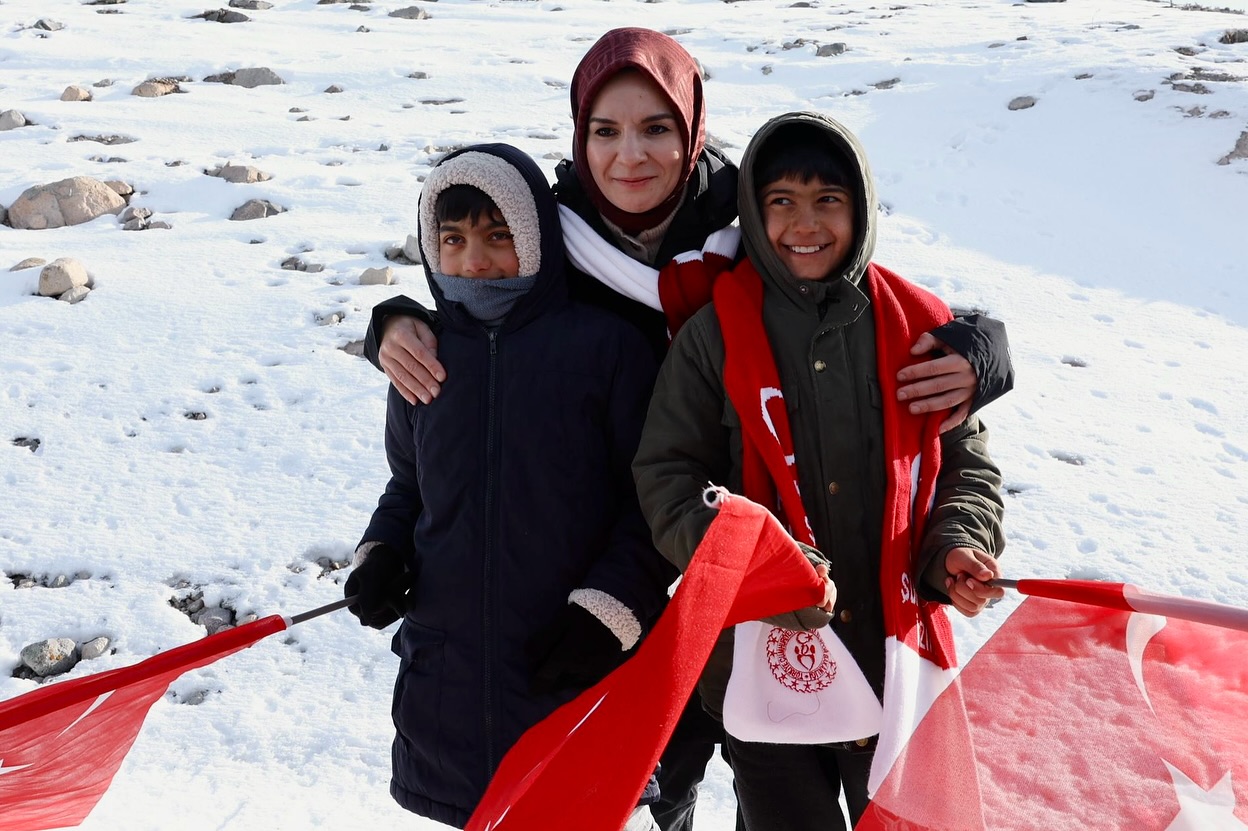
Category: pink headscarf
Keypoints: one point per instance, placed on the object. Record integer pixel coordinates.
(674, 71)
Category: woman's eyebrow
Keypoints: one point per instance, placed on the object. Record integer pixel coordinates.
(663, 116)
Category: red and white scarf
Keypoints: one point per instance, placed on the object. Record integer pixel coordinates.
(919, 653)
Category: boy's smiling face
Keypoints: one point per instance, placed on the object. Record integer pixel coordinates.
(810, 225)
(483, 249)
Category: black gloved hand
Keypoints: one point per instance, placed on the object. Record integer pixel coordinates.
(577, 651)
(379, 585)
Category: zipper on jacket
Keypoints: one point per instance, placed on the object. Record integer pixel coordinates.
(491, 451)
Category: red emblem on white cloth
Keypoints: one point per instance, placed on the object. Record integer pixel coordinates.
(799, 660)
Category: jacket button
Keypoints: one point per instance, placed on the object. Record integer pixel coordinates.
(820, 366)
(846, 615)
(834, 488)
(862, 742)
(803, 289)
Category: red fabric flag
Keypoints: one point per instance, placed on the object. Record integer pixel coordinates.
(1086, 717)
(61, 745)
(584, 767)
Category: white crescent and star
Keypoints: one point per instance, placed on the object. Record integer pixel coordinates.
(1204, 810)
(1199, 809)
(1141, 629)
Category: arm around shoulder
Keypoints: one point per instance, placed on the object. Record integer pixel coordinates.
(398, 306)
(983, 342)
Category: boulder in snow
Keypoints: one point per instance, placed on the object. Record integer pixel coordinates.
(377, 276)
(156, 87)
(1240, 151)
(255, 76)
(222, 16)
(51, 657)
(410, 13)
(94, 648)
(11, 120)
(59, 276)
(76, 93)
(255, 209)
(74, 295)
(239, 174)
(67, 202)
(29, 262)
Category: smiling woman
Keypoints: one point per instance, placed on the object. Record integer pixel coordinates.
(634, 149)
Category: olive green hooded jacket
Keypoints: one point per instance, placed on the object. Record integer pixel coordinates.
(823, 337)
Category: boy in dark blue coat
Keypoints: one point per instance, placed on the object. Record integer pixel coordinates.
(509, 539)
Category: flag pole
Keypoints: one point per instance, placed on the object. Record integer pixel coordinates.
(320, 610)
(1130, 598)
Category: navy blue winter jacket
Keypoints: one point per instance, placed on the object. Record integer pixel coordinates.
(509, 491)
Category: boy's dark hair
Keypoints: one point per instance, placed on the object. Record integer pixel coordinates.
(459, 202)
(803, 153)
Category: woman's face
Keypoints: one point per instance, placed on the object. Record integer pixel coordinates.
(634, 149)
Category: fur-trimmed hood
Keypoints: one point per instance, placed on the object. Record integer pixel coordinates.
(520, 190)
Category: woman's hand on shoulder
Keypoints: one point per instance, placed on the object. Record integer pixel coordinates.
(944, 382)
(409, 356)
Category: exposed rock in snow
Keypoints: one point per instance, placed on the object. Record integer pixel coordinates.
(59, 276)
(214, 619)
(67, 202)
(377, 276)
(156, 87)
(11, 120)
(105, 138)
(248, 77)
(94, 648)
(296, 264)
(222, 16)
(74, 295)
(51, 657)
(410, 13)
(1240, 151)
(255, 209)
(239, 174)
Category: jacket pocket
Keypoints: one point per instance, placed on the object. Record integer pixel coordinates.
(417, 705)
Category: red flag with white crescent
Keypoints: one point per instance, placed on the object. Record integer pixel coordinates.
(61, 745)
(1087, 716)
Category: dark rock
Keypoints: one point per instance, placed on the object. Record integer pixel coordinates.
(222, 16)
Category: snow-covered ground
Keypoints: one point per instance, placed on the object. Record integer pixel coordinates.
(201, 429)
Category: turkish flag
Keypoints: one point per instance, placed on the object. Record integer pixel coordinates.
(1085, 717)
(584, 767)
(61, 745)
